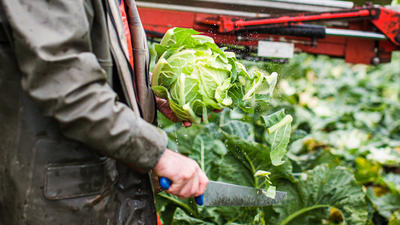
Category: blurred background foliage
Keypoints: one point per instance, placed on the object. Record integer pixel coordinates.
(345, 142)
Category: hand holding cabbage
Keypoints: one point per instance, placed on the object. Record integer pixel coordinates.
(197, 77)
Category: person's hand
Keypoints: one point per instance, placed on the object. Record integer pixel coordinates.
(164, 108)
(188, 180)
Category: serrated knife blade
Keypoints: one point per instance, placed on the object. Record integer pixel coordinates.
(225, 194)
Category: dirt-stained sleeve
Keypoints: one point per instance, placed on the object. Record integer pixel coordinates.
(63, 76)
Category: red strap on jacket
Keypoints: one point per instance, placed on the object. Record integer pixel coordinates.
(129, 42)
(127, 31)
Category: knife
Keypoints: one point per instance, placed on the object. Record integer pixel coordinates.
(225, 194)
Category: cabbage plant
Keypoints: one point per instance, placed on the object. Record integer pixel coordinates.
(197, 77)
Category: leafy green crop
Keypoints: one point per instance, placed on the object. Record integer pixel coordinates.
(227, 151)
(386, 204)
(197, 77)
(340, 164)
(315, 192)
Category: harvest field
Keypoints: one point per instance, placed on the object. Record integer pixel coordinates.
(342, 164)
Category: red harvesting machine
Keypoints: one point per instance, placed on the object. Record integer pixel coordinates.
(275, 29)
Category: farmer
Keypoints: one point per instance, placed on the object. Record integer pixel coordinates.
(77, 141)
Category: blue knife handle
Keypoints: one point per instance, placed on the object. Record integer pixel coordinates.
(165, 183)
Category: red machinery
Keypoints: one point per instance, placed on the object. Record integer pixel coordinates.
(360, 35)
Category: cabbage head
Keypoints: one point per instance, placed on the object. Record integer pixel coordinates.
(197, 77)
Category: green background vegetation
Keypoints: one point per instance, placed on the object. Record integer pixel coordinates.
(343, 161)
(342, 164)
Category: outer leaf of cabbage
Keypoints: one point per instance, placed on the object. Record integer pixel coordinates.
(199, 77)
(165, 74)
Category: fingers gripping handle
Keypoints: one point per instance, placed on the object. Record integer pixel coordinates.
(165, 183)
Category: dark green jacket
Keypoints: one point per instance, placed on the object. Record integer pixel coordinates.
(65, 135)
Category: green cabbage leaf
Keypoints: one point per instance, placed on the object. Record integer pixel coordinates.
(197, 77)
(315, 192)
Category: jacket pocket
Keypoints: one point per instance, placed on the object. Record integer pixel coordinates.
(67, 183)
(64, 181)
(67, 169)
